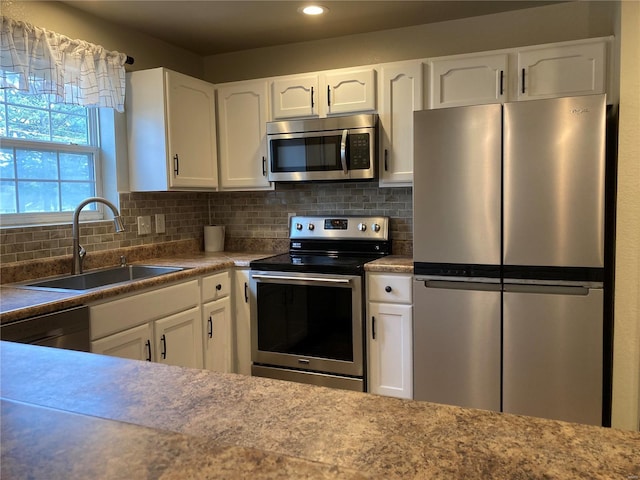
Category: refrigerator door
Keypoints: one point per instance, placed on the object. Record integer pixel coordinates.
(554, 165)
(456, 354)
(552, 365)
(457, 165)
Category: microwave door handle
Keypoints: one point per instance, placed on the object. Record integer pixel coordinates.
(343, 151)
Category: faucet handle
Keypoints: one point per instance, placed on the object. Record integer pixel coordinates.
(123, 261)
(81, 251)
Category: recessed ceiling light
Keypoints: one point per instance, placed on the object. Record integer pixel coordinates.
(313, 10)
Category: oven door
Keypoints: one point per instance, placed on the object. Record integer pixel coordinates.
(310, 322)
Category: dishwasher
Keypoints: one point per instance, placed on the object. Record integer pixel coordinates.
(68, 329)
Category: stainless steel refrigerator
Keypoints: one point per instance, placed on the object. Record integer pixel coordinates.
(509, 257)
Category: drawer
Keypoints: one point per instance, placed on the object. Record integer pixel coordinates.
(216, 286)
(391, 288)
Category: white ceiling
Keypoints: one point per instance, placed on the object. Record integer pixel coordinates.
(209, 27)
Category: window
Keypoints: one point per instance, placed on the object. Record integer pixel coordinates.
(48, 159)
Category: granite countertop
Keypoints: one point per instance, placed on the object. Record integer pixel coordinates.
(78, 415)
(19, 303)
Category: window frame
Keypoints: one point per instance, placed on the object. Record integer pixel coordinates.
(93, 148)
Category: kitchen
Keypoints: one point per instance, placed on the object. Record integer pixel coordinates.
(266, 212)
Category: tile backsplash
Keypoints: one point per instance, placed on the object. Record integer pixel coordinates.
(251, 218)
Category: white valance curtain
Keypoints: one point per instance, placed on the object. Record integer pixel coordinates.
(39, 61)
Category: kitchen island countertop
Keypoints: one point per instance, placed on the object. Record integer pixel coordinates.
(70, 413)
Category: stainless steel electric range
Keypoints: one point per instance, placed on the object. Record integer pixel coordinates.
(307, 306)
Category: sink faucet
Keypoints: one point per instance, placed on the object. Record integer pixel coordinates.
(78, 251)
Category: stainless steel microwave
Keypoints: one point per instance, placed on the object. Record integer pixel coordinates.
(336, 148)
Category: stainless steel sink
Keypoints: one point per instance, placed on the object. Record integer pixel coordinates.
(101, 278)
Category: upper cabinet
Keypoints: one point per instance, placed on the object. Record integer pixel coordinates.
(327, 93)
(562, 70)
(242, 124)
(468, 80)
(400, 95)
(171, 132)
(528, 73)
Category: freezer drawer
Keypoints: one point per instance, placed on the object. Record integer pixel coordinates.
(553, 353)
(457, 343)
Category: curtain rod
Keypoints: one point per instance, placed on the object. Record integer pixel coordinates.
(129, 60)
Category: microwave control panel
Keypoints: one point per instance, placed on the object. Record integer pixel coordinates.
(359, 151)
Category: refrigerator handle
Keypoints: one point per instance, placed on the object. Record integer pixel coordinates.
(460, 285)
(548, 289)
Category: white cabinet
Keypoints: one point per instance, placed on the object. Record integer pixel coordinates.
(178, 339)
(400, 95)
(468, 80)
(562, 70)
(217, 322)
(242, 303)
(295, 96)
(326, 93)
(171, 132)
(390, 334)
(242, 123)
(527, 73)
(162, 325)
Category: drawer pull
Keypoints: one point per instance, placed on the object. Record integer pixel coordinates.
(388, 289)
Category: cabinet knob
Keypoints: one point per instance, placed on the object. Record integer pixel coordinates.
(388, 289)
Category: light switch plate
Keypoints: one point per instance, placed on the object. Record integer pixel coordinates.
(144, 225)
(160, 227)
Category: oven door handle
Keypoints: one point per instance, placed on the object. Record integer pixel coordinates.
(302, 279)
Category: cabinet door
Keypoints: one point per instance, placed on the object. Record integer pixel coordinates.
(401, 95)
(218, 351)
(134, 344)
(295, 96)
(242, 124)
(562, 71)
(192, 132)
(390, 350)
(470, 80)
(242, 322)
(178, 339)
(350, 91)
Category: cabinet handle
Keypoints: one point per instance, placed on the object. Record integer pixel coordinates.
(148, 347)
(163, 341)
(246, 293)
(373, 328)
(523, 73)
(328, 95)
(501, 82)
(176, 164)
(219, 287)
(264, 167)
(386, 160)
(388, 289)
(210, 327)
(312, 104)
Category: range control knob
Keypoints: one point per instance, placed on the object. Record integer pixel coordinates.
(362, 227)
(298, 226)
(311, 226)
(375, 227)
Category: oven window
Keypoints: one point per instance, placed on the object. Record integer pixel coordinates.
(306, 154)
(311, 321)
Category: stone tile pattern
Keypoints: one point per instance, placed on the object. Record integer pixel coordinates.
(254, 220)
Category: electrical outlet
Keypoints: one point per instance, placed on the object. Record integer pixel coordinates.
(160, 227)
(144, 225)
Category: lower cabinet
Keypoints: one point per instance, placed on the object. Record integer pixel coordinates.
(161, 325)
(218, 335)
(242, 322)
(390, 335)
